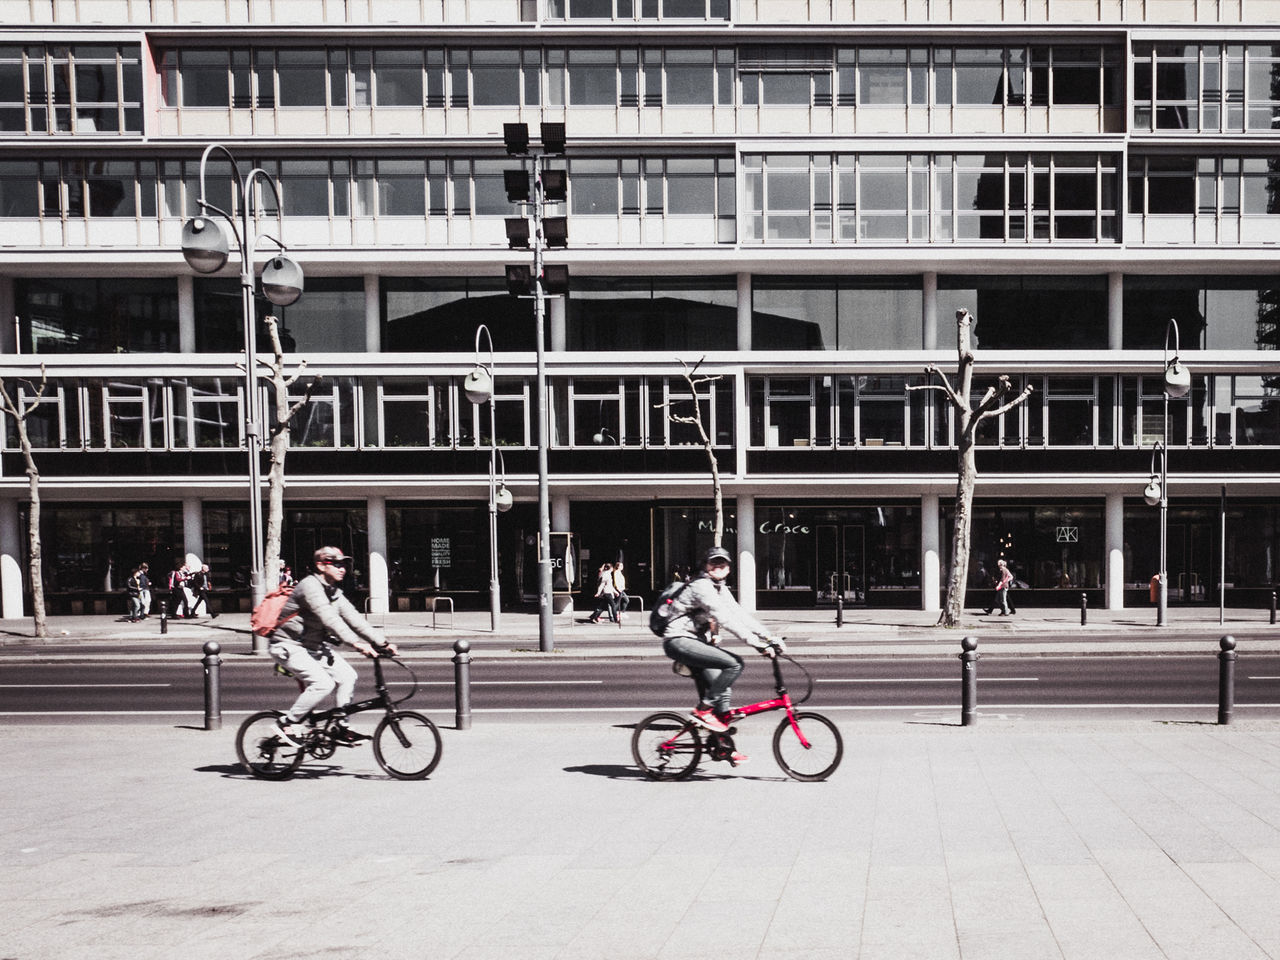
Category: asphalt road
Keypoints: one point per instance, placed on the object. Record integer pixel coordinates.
(1014, 685)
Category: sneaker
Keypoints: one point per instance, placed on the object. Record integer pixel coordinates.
(344, 734)
(284, 729)
(708, 719)
(738, 759)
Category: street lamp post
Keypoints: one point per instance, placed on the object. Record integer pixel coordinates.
(480, 388)
(1177, 383)
(549, 186)
(205, 248)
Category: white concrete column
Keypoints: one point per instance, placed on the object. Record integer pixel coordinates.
(557, 317)
(560, 513)
(746, 511)
(192, 527)
(929, 311)
(10, 560)
(372, 316)
(1115, 550)
(930, 554)
(8, 317)
(186, 313)
(744, 311)
(1115, 311)
(376, 571)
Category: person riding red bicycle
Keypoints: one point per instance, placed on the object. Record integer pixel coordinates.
(315, 618)
(704, 609)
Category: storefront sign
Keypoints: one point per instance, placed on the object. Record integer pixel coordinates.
(1068, 534)
(783, 528)
(441, 552)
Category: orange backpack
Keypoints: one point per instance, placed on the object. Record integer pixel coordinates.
(266, 616)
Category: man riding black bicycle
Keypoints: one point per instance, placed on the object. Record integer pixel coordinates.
(702, 611)
(315, 618)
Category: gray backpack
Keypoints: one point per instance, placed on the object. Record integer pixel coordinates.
(664, 608)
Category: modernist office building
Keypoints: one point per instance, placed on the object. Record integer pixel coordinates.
(797, 193)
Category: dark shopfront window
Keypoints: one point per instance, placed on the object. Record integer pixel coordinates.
(328, 317)
(1046, 547)
(862, 553)
(676, 313)
(441, 315)
(108, 315)
(1213, 313)
(1194, 534)
(684, 536)
(849, 313)
(1031, 312)
(438, 549)
(92, 549)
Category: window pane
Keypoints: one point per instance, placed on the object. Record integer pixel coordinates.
(690, 78)
(592, 78)
(398, 78)
(204, 79)
(495, 78)
(302, 78)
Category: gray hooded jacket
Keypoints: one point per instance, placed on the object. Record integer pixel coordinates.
(325, 615)
(706, 599)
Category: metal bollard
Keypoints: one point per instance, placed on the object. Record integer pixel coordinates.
(164, 617)
(462, 684)
(969, 681)
(1226, 679)
(840, 610)
(1084, 609)
(1273, 606)
(212, 694)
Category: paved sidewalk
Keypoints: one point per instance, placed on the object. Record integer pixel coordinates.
(1118, 840)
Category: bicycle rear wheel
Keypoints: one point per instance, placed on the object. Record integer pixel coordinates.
(666, 746)
(815, 762)
(407, 745)
(261, 750)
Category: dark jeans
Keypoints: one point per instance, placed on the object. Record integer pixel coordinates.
(714, 668)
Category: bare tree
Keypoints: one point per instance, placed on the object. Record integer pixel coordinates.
(19, 411)
(695, 419)
(279, 433)
(970, 417)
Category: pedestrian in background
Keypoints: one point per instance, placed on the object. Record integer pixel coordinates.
(606, 596)
(144, 582)
(200, 583)
(177, 590)
(133, 590)
(621, 599)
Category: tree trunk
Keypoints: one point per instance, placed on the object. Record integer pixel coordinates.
(33, 532)
(279, 433)
(966, 479)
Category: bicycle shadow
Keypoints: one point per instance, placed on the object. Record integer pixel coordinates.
(618, 771)
(233, 771)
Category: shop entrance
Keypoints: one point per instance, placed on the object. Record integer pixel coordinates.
(1190, 559)
(841, 563)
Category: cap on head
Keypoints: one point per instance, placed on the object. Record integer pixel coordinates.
(716, 555)
(329, 555)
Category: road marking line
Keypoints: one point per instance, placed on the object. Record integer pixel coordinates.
(46, 686)
(497, 683)
(930, 680)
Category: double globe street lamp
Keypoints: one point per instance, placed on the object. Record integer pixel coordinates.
(479, 388)
(1177, 383)
(206, 250)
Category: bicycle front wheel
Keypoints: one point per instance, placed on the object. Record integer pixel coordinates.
(666, 746)
(407, 745)
(261, 750)
(819, 759)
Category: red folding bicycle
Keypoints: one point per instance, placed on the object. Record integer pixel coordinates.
(807, 745)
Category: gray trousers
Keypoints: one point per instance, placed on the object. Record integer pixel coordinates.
(319, 676)
(714, 668)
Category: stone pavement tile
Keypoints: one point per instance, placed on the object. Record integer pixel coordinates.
(718, 929)
(1179, 915)
(814, 919)
(1247, 895)
(908, 928)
